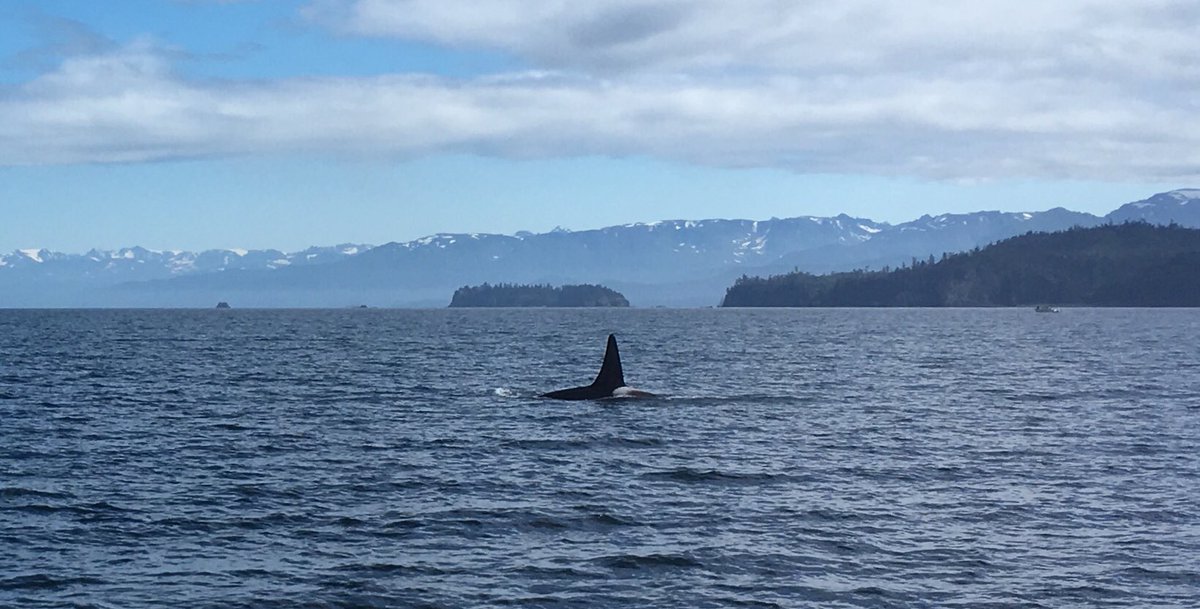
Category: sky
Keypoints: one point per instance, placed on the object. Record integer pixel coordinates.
(196, 124)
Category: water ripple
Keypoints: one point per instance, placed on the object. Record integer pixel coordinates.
(374, 458)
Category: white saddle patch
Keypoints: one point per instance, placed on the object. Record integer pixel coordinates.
(630, 392)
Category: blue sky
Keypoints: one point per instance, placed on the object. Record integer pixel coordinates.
(195, 124)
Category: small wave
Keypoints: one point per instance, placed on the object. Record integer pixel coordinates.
(99, 510)
(267, 521)
(871, 591)
(1144, 574)
(687, 474)
(231, 427)
(759, 400)
(499, 520)
(449, 442)
(382, 568)
(403, 523)
(607, 519)
(12, 492)
(532, 601)
(1036, 396)
(648, 561)
(630, 442)
(545, 444)
(251, 573)
(547, 522)
(41, 581)
(538, 571)
(581, 443)
(1089, 591)
(749, 602)
(349, 521)
(505, 392)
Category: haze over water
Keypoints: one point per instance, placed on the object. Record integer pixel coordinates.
(799, 458)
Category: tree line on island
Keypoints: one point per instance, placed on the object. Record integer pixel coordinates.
(1131, 264)
(541, 295)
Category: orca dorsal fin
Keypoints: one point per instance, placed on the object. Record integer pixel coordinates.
(611, 375)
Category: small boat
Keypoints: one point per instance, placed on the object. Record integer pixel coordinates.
(1046, 309)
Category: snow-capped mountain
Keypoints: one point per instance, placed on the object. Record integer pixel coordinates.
(632, 252)
(1179, 206)
(935, 235)
(674, 262)
(141, 264)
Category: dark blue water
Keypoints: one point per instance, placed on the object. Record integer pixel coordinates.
(800, 458)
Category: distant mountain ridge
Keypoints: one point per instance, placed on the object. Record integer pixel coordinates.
(140, 264)
(672, 262)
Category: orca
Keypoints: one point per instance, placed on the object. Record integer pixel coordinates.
(610, 383)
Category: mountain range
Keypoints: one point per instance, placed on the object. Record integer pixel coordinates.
(670, 263)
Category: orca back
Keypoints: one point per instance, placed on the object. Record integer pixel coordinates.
(611, 377)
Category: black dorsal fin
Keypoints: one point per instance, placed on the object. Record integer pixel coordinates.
(611, 375)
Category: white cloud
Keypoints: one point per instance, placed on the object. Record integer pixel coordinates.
(1071, 89)
(998, 38)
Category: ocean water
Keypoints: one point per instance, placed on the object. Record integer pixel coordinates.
(796, 458)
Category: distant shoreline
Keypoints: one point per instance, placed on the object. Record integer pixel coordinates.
(1115, 265)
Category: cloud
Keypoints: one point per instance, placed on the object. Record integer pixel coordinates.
(60, 38)
(1072, 89)
(997, 37)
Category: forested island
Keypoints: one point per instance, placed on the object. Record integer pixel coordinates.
(1132, 264)
(509, 295)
